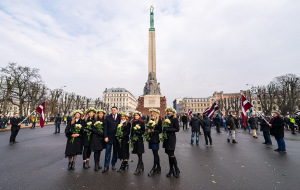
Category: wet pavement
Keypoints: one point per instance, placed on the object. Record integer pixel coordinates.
(38, 162)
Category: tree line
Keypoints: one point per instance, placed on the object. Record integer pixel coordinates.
(23, 87)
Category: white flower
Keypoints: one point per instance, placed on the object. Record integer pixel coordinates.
(98, 122)
(78, 125)
(167, 121)
(89, 123)
(120, 125)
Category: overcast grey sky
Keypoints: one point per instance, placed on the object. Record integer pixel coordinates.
(202, 45)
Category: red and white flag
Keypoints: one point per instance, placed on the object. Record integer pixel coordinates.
(211, 111)
(245, 106)
(190, 112)
(83, 110)
(206, 110)
(41, 111)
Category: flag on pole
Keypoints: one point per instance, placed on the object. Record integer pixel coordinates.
(41, 111)
(211, 111)
(190, 112)
(206, 110)
(83, 110)
(245, 106)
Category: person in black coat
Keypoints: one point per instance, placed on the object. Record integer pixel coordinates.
(136, 136)
(277, 130)
(90, 119)
(154, 140)
(206, 126)
(265, 128)
(69, 119)
(195, 125)
(73, 132)
(110, 128)
(253, 124)
(97, 141)
(123, 146)
(170, 143)
(57, 124)
(217, 122)
(15, 127)
(184, 121)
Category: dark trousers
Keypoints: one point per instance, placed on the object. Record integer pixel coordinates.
(108, 154)
(97, 156)
(292, 126)
(14, 133)
(33, 125)
(207, 136)
(218, 127)
(57, 127)
(184, 124)
(86, 152)
(267, 137)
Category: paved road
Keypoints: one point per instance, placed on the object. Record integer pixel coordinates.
(38, 162)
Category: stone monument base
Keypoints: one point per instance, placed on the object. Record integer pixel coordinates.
(152, 101)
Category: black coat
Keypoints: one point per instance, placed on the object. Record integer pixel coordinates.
(85, 137)
(253, 123)
(170, 142)
(195, 124)
(58, 119)
(75, 148)
(123, 148)
(217, 120)
(139, 144)
(184, 119)
(110, 128)
(155, 135)
(14, 122)
(98, 143)
(206, 124)
(277, 128)
(69, 119)
(264, 126)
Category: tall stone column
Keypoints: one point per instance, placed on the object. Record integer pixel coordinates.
(152, 53)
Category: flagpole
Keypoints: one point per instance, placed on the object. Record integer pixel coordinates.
(27, 117)
(260, 115)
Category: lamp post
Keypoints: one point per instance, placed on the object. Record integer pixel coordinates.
(60, 89)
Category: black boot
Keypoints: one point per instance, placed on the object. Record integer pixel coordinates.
(142, 167)
(88, 163)
(153, 171)
(137, 171)
(177, 171)
(96, 166)
(233, 141)
(126, 165)
(122, 167)
(73, 165)
(85, 165)
(171, 172)
(69, 166)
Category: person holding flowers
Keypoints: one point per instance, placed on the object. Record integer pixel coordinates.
(97, 143)
(90, 119)
(73, 132)
(153, 129)
(169, 141)
(122, 134)
(137, 142)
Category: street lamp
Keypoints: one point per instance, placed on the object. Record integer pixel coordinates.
(60, 89)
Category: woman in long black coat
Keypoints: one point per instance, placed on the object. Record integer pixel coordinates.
(97, 142)
(90, 118)
(170, 143)
(265, 128)
(123, 147)
(73, 147)
(154, 140)
(137, 130)
(277, 130)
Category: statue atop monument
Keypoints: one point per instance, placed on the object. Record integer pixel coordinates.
(152, 87)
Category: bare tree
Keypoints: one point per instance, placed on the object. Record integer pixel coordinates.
(266, 96)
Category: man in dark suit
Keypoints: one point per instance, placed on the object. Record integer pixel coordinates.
(110, 128)
(184, 121)
(15, 127)
(57, 124)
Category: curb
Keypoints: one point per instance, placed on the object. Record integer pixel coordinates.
(25, 127)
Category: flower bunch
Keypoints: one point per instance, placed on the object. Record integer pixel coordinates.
(137, 112)
(89, 127)
(134, 137)
(119, 133)
(164, 135)
(90, 109)
(150, 126)
(99, 126)
(103, 111)
(155, 110)
(76, 130)
(171, 109)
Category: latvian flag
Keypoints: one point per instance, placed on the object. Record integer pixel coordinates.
(211, 111)
(245, 106)
(41, 111)
(206, 110)
(190, 112)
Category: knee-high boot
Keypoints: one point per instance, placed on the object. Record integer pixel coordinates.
(171, 172)
(177, 171)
